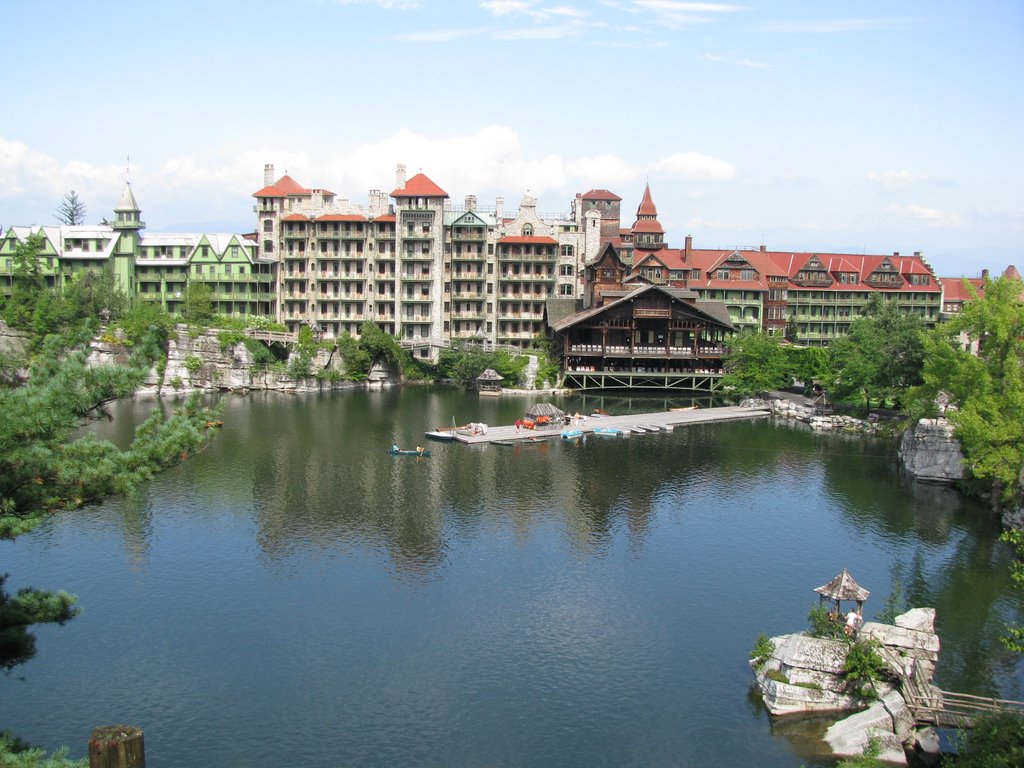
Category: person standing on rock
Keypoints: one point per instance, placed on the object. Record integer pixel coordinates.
(852, 621)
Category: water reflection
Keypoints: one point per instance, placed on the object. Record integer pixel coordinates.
(578, 604)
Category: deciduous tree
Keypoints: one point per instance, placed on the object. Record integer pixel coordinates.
(755, 362)
(977, 359)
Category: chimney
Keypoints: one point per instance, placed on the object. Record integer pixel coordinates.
(499, 203)
(687, 249)
(763, 249)
(400, 176)
(984, 274)
(268, 174)
(917, 254)
(470, 202)
(895, 253)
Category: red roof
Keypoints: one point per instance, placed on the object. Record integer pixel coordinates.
(341, 217)
(295, 217)
(290, 186)
(647, 225)
(953, 288)
(647, 204)
(270, 191)
(600, 194)
(419, 186)
(284, 187)
(520, 239)
(387, 218)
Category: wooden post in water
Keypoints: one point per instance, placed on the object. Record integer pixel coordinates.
(117, 746)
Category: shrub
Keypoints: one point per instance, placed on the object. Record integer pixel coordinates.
(193, 364)
(822, 623)
(176, 382)
(863, 666)
(777, 675)
(868, 758)
(996, 741)
(762, 651)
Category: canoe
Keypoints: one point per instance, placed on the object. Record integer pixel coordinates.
(571, 434)
(504, 442)
(401, 452)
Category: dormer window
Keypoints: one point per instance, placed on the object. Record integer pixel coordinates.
(527, 230)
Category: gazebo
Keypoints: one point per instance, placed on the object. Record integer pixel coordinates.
(489, 382)
(843, 587)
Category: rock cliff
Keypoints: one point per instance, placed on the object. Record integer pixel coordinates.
(931, 453)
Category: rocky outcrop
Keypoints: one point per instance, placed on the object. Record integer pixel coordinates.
(805, 674)
(197, 363)
(813, 416)
(931, 453)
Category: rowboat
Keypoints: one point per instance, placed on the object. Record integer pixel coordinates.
(571, 434)
(607, 431)
(402, 452)
(503, 442)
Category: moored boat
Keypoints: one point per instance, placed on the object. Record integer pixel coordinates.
(439, 434)
(571, 434)
(607, 431)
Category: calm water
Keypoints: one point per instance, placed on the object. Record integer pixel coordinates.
(293, 596)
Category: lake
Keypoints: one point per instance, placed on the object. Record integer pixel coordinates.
(295, 596)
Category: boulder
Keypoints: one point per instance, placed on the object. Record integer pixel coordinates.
(931, 453)
(849, 737)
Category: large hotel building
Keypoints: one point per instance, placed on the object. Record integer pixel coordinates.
(430, 271)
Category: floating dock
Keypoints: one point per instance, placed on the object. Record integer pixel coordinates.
(631, 423)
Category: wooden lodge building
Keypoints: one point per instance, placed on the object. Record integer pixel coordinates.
(635, 334)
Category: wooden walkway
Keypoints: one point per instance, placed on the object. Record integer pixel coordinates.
(663, 420)
(945, 709)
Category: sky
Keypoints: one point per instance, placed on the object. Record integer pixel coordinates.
(867, 127)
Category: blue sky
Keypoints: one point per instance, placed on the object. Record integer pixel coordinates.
(860, 127)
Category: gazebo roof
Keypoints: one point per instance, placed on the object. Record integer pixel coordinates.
(545, 409)
(843, 587)
(490, 375)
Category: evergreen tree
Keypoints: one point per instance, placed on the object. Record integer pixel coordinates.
(71, 209)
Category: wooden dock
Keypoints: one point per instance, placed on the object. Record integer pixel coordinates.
(661, 420)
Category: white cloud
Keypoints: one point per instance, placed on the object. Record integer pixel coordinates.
(716, 58)
(397, 5)
(675, 14)
(833, 26)
(694, 165)
(532, 10)
(931, 216)
(895, 179)
(438, 35)
(540, 33)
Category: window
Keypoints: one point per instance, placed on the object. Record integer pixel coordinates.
(268, 226)
(723, 274)
(567, 250)
(747, 274)
(567, 270)
(268, 246)
(565, 289)
(527, 230)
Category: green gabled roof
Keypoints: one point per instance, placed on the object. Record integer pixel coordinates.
(197, 251)
(469, 219)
